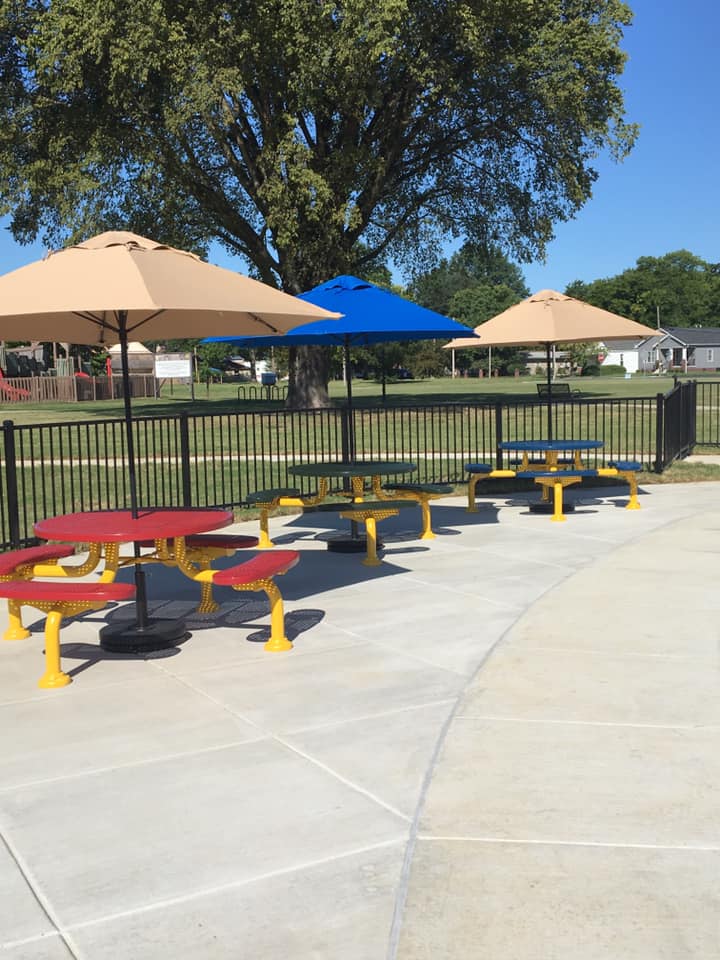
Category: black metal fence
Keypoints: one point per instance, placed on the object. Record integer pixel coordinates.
(707, 407)
(217, 460)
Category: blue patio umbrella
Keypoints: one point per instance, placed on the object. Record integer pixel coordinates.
(371, 315)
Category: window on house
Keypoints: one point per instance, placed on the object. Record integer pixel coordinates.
(710, 356)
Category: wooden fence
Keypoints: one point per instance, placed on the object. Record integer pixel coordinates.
(72, 389)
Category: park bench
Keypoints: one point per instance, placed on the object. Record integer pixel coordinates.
(58, 599)
(556, 390)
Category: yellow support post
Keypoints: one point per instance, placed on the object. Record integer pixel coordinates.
(53, 676)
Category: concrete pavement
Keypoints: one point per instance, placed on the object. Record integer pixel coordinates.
(502, 743)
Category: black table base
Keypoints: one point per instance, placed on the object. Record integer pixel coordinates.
(547, 507)
(343, 544)
(128, 637)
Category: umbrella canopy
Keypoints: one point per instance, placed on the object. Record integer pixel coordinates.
(79, 293)
(116, 284)
(371, 315)
(549, 318)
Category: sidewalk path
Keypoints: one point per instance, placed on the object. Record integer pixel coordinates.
(573, 810)
(500, 744)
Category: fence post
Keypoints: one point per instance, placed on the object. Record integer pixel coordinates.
(693, 416)
(185, 459)
(347, 451)
(498, 436)
(11, 486)
(659, 432)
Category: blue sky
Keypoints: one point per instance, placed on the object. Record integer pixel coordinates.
(665, 195)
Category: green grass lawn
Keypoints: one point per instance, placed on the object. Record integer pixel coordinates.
(220, 398)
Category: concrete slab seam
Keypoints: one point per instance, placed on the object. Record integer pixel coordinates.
(276, 738)
(396, 711)
(235, 884)
(146, 761)
(553, 842)
(35, 889)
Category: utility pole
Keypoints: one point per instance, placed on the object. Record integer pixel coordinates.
(657, 314)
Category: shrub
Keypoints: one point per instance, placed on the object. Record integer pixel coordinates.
(611, 370)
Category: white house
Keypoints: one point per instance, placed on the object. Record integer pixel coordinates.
(624, 353)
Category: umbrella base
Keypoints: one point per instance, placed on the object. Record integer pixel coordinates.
(350, 544)
(128, 637)
(547, 508)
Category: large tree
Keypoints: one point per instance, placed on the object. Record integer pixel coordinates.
(312, 138)
(470, 266)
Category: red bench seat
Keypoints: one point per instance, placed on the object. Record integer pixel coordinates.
(57, 598)
(257, 574)
(17, 564)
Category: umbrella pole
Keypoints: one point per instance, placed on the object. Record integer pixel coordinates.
(129, 439)
(348, 385)
(145, 635)
(354, 531)
(548, 348)
(141, 610)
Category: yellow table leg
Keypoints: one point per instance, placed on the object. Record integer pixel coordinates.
(264, 541)
(558, 482)
(558, 514)
(371, 558)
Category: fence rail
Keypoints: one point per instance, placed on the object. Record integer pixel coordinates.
(216, 460)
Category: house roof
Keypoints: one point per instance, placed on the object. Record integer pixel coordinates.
(695, 336)
(621, 346)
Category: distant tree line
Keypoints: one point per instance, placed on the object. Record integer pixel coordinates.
(475, 283)
(676, 290)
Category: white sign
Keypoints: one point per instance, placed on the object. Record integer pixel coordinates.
(173, 366)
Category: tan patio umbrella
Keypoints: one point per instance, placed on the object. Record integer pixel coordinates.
(547, 318)
(118, 287)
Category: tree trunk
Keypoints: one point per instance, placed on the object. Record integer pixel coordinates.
(307, 386)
